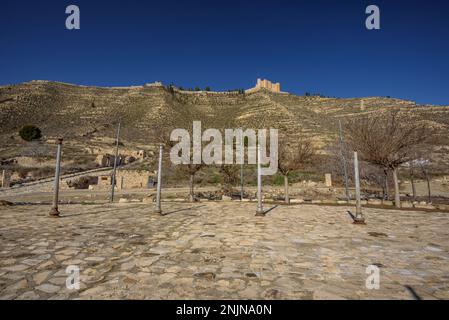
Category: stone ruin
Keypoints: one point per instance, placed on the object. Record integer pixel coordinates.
(81, 182)
(107, 160)
(154, 84)
(126, 179)
(265, 84)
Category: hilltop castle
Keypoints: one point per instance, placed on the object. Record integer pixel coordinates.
(265, 84)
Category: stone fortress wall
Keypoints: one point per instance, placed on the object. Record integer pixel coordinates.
(265, 84)
(260, 84)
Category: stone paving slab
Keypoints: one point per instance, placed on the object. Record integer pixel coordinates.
(221, 251)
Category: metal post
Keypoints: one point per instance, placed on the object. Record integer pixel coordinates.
(259, 211)
(412, 180)
(241, 166)
(115, 164)
(54, 212)
(159, 181)
(241, 182)
(343, 159)
(359, 219)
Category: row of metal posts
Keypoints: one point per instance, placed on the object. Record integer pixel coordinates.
(259, 211)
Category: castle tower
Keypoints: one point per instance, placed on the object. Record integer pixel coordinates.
(265, 84)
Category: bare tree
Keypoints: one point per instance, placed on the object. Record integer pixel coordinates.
(373, 176)
(230, 175)
(335, 163)
(387, 140)
(191, 170)
(425, 171)
(412, 179)
(386, 185)
(420, 168)
(426, 162)
(294, 157)
(162, 134)
(370, 175)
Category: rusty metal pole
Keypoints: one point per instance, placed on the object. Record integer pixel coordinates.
(115, 164)
(159, 181)
(343, 160)
(259, 211)
(54, 212)
(358, 219)
(241, 182)
(242, 150)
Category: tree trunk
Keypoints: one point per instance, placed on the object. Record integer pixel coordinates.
(412, 180)
(429, 192)
(287, 198)
(387, 187)
(191, 193)
(397, 198)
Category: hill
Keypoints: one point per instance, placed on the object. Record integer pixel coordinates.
(87, 116)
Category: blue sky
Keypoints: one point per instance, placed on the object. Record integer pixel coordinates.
(319, 46)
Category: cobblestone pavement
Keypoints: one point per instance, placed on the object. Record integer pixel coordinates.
(221, 251)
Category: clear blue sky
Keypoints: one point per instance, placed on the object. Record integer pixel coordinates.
(309, 46)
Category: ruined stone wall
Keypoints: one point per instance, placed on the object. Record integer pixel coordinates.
(126, 179)
(265, 84)
(133, 179)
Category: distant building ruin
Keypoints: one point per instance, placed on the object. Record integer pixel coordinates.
(107, 160)
(154, 84)
(265, 84)
(126, 179)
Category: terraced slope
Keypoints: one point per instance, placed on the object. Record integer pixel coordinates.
(82, 113)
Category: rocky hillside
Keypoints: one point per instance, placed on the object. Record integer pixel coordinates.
(85, 114)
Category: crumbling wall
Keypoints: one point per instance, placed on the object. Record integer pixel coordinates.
(265, 84)
(133, 179)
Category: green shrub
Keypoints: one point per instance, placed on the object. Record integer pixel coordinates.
(30, 132)
(278, 180)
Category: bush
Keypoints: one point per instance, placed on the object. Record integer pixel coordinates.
(30, 132)
(278, 180)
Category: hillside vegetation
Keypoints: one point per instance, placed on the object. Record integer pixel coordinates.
(87, 116)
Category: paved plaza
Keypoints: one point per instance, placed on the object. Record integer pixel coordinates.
(221, 251)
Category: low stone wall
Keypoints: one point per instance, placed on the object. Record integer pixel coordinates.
(132, 179)
(126, 180)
